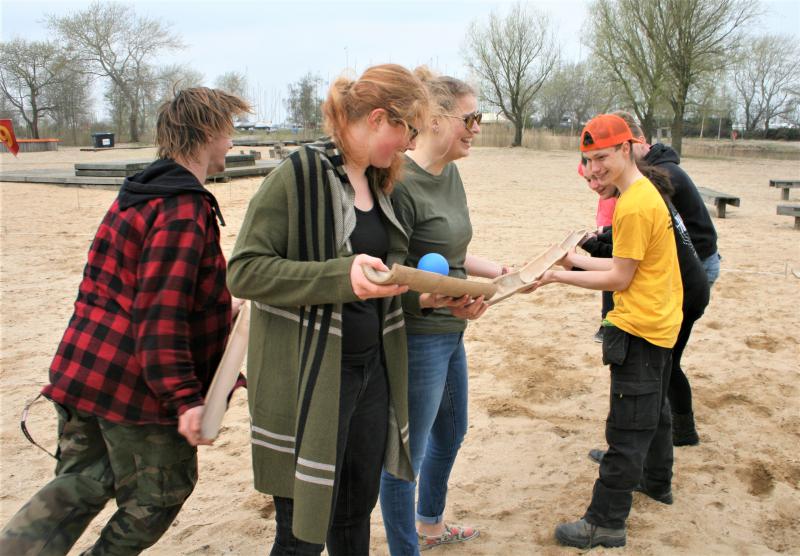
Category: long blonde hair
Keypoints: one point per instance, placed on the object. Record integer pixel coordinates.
(387, 86)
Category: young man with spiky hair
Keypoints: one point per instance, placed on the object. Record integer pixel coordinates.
(148, 329)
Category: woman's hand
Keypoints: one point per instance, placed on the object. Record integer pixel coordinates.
(437, 301)
(363, 287)
(472, 310)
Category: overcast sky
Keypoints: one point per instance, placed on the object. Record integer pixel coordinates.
(274, 43)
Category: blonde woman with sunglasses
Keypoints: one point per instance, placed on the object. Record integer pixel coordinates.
(431, 205)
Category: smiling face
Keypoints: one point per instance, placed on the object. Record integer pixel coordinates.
(606, 166)
(459, 136)
(604, 191)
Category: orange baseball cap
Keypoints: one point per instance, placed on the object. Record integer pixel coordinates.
(604, 131)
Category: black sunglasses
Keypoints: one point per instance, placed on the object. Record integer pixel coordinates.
(412, 131)
(470, 119)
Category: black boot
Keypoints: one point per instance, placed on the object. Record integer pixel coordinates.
(683, 430)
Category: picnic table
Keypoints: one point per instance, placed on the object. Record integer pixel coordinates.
(791, 210)
(718, 199)
(785, 185)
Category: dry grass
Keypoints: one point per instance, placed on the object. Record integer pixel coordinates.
(494, 135)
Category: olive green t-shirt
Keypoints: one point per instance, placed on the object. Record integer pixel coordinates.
(433, 211)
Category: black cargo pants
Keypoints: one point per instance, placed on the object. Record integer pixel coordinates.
(638, 428)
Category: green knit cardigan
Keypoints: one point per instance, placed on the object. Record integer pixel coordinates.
(292, 258)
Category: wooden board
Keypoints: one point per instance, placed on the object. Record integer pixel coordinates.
(499, 289)
(227, 372)
(429, 282)
(511, 283)
(62, 177)
(120, 165)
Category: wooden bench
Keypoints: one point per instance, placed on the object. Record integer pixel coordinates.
(791, 210)
(720, 200)
(785, 185)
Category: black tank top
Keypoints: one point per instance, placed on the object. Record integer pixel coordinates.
(361, 320)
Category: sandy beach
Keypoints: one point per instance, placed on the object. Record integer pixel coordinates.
(538, 390)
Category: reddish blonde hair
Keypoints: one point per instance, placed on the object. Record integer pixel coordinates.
(387, 86)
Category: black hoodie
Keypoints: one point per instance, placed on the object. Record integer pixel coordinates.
(687, 200)
(163, 178)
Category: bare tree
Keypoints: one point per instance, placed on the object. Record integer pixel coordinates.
(513, 56)
(574, 90)
(766, 79)
(631, 62)
(556, 97)
(304, 104)
(232, 82)
(163, 85)
(710, 99)
(115, 43)
(699, 38)
(28, 69)
(71, 101)
(594, 93)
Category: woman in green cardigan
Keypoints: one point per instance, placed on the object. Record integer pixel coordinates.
(327, 363)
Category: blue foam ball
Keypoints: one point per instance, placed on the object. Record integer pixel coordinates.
(434, 262)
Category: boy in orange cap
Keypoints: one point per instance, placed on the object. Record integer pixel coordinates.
(639, 334)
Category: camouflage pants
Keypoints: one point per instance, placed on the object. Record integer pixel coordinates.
(150, 470)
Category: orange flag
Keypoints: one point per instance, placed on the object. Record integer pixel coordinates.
(7, 136)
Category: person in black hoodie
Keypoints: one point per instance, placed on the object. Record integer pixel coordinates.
(148, 330)
(686, 199)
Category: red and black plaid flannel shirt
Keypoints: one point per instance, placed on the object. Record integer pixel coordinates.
(152, 316)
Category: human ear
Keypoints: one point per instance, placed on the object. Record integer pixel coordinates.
(376, 117)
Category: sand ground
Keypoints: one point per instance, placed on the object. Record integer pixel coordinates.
(539, 392)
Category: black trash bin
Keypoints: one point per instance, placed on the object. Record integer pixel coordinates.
(103, 140)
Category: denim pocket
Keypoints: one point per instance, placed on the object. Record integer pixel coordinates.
(615, 345)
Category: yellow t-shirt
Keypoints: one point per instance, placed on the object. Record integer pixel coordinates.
(651, 306)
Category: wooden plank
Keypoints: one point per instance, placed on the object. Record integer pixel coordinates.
(244, 157)
(261, 168)
(130, 167)
(61, 179)
(64, 177)
(117, 165)
(106, 173)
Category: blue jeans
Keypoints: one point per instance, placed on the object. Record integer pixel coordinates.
(437, 421)
(711, 266)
